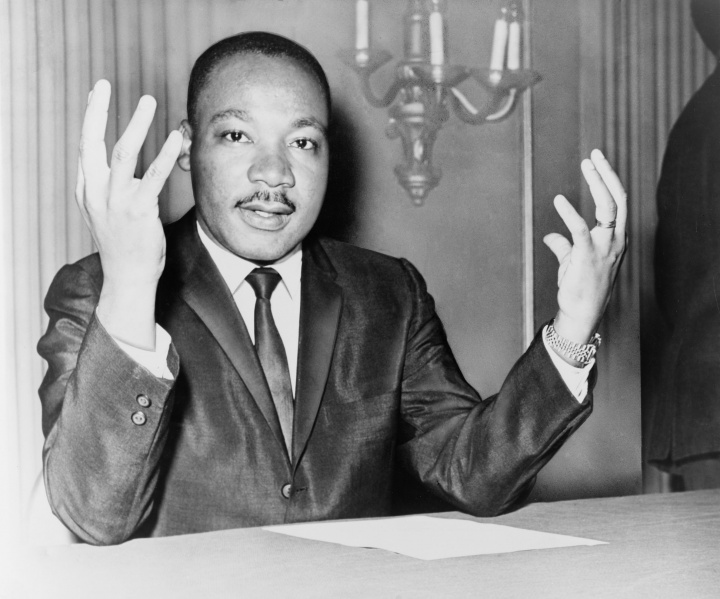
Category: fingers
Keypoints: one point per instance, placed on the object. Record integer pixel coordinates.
(93, 155)
(573, 221)
(607, 191)
(558, 245)
(158, 172)
(126, 150)
(80, 193)
(605, 207)
(96, 182)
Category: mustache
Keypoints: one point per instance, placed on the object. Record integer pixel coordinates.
(266, 196)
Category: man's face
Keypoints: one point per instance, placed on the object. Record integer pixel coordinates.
(259, 155)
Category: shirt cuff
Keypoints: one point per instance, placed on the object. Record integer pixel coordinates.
(154, 361)
(576, 379)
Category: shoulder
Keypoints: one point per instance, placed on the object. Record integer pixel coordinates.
(345, 255)
(700, 118)
(375, 278)
(369, 266)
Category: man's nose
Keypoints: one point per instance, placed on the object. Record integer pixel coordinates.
(271, 166)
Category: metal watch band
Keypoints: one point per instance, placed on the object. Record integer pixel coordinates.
(579, 352)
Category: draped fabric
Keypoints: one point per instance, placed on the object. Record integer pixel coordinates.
(51, 51)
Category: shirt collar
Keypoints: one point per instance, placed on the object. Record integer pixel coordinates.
(234, 269)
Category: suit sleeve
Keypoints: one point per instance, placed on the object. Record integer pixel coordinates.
(480, 456)
(102, 445)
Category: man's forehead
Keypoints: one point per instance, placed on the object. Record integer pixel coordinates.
(242, 72)
(262, 69)
(252, 60)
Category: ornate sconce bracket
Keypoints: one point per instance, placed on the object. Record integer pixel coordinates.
(425, 86)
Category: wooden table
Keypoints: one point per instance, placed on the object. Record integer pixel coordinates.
(659, 546)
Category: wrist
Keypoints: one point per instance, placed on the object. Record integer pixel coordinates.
(578, 355)
(130, 280)
(572, 330)
(128, 314)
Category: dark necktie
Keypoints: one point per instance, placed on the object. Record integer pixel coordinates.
(271, 351)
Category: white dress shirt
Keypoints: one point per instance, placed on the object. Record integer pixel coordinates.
(575, 379)
(285, 305)
(284, 302)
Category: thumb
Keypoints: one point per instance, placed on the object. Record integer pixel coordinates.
(558, 245)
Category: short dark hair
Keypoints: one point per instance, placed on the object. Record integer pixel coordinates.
(251, 42)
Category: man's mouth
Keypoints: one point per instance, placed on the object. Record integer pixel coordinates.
(266, 211)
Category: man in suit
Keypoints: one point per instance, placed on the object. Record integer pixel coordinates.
(684, 431)
(235, 370)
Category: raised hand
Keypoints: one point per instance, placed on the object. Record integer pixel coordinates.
(122, 214)
(589, 265)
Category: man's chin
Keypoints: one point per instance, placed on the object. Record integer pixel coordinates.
(264, 253)
(254, 244)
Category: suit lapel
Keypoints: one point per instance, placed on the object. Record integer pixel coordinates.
(204, 290)
(320, 306)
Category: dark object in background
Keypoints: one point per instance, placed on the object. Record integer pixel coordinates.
(684, 434)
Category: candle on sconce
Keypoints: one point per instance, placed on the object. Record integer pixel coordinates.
(437, 43)
(415, 29)
(362, 31)
(513, 56)
(500, 38)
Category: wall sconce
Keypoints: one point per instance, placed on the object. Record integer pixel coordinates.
(427, 84)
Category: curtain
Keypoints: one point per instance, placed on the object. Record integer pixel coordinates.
(52, 51)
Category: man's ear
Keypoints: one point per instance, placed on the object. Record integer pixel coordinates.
(184, 157)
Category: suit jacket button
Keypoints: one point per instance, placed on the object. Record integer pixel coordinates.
(287, 490)
(139, 418)
(143, 401)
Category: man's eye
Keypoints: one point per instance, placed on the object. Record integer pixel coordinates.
(304, 144)
(236, 137)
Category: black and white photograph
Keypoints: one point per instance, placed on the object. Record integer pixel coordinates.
(360, 298)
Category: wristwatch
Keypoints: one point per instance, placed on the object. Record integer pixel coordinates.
(579, 352)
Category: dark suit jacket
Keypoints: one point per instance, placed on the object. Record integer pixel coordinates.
(377, 389)
(686, 410)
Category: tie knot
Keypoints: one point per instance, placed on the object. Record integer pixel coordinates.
(263, 281)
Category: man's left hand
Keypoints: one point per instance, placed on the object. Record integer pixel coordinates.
(589, 265)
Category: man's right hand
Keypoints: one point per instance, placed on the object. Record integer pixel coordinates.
(122, 213)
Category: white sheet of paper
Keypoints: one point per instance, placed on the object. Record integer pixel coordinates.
(427, 538)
